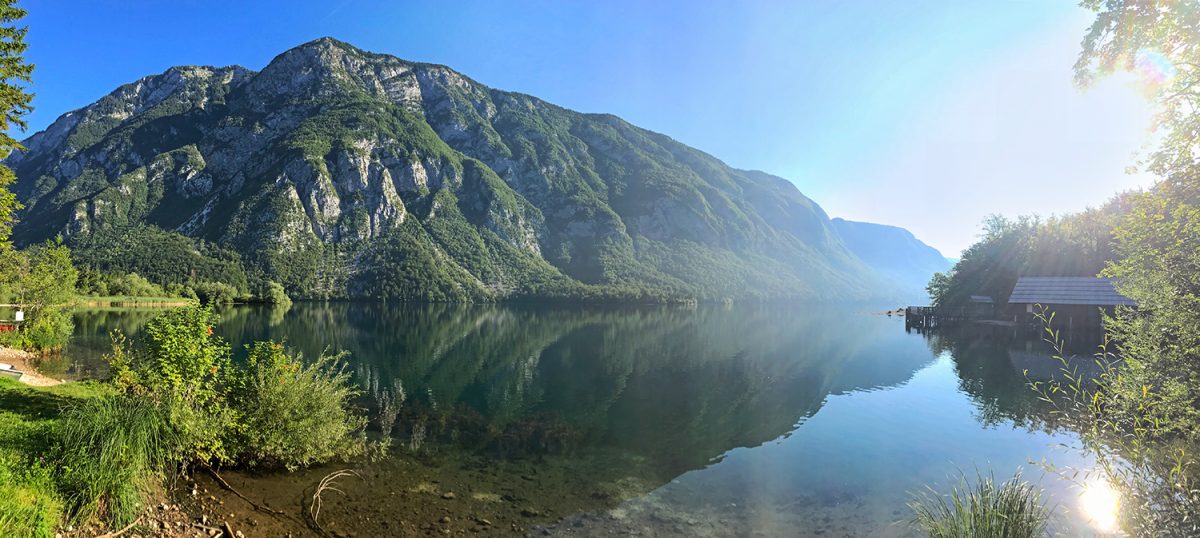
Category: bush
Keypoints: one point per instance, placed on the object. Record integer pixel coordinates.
(180, 364)
(272, 408)
(180, 290)
(216, 293)
(133, 285)
(110, 452)
(29, 504)
(1012, 509)
(273, 293)
(49, 330)
(177, 365)
(294, 415)
(91, 282)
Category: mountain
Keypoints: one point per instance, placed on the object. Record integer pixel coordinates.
(893, 251)
(344, 173)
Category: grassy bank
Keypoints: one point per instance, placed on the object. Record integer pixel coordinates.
(31, 504)
(97, 455)
(132, 301)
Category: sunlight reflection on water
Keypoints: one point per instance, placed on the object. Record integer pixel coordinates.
(1100, 503)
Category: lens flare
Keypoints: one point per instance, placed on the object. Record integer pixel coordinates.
(1154, 67)
(1100, 503)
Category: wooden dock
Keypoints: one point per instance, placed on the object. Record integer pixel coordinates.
(928, 317)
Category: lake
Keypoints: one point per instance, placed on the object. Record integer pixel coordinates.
(678, 421)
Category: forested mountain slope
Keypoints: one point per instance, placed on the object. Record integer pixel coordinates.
(343, 173)
(893, 251)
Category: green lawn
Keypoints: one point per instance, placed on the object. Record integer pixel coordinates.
(30, 504)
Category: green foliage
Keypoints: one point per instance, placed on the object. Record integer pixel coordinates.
(29, 503)
(273, 293)
(1012, 509)
(134, 285)
(91, 282)
(44, 283)
(1141, 432)
(181, 365)
(159, 256)
(294, 415)
(1075, 245)
(270, 410)
(1141, 417)
(48, 330)
(216, 293)
(110, 453)
(15, 100)
(8, 206)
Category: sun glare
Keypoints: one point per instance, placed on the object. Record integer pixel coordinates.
(1100, 503)
(1154, 67)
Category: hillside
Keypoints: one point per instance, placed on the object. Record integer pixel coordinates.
(893, 251)
(343, 173)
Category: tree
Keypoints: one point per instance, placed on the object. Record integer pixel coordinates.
(44, 282)
(14, 104)
(1147, 412)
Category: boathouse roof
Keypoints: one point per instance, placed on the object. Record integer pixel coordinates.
(1067, 290)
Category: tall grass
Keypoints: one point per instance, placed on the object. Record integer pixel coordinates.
(29, 504)
(110, 452)
(1012, 509)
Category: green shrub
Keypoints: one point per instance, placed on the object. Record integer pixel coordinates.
(1013, 509)
(91, 282)
(133, 285)
(29, 503)
(180, 364)
(49, 330)
(180, 290)
(271, 410)
(216, 293)
(110, 452)
(294, 415)
(273, 293)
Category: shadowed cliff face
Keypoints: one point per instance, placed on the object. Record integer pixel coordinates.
(338, 168)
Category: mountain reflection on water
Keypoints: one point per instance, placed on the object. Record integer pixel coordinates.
(674, 420)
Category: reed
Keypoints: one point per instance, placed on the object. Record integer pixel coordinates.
(987, 509)
(110, 452)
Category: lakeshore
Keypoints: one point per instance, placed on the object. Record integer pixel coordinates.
(498, 436)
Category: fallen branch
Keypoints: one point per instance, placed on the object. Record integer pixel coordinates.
(326, 484)
(114, 534)
(256, 506)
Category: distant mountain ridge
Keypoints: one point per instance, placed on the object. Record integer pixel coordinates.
(344, 173)
(893, 251)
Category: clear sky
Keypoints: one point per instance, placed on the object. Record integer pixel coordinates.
(923, 114)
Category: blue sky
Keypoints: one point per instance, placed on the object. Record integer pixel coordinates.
(922, 114)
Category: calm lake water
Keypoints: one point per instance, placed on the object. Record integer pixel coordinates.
(704, 421)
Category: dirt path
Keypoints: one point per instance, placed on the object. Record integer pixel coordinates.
(24, 361)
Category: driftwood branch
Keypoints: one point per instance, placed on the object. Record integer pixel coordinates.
(326, 484)
(256, 506)
(121, 531)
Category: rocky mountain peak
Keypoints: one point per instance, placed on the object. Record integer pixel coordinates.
(348, 173)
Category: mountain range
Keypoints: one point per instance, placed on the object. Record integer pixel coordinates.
(343, 173)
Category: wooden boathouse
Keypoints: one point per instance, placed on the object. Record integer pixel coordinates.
(1075, 301)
